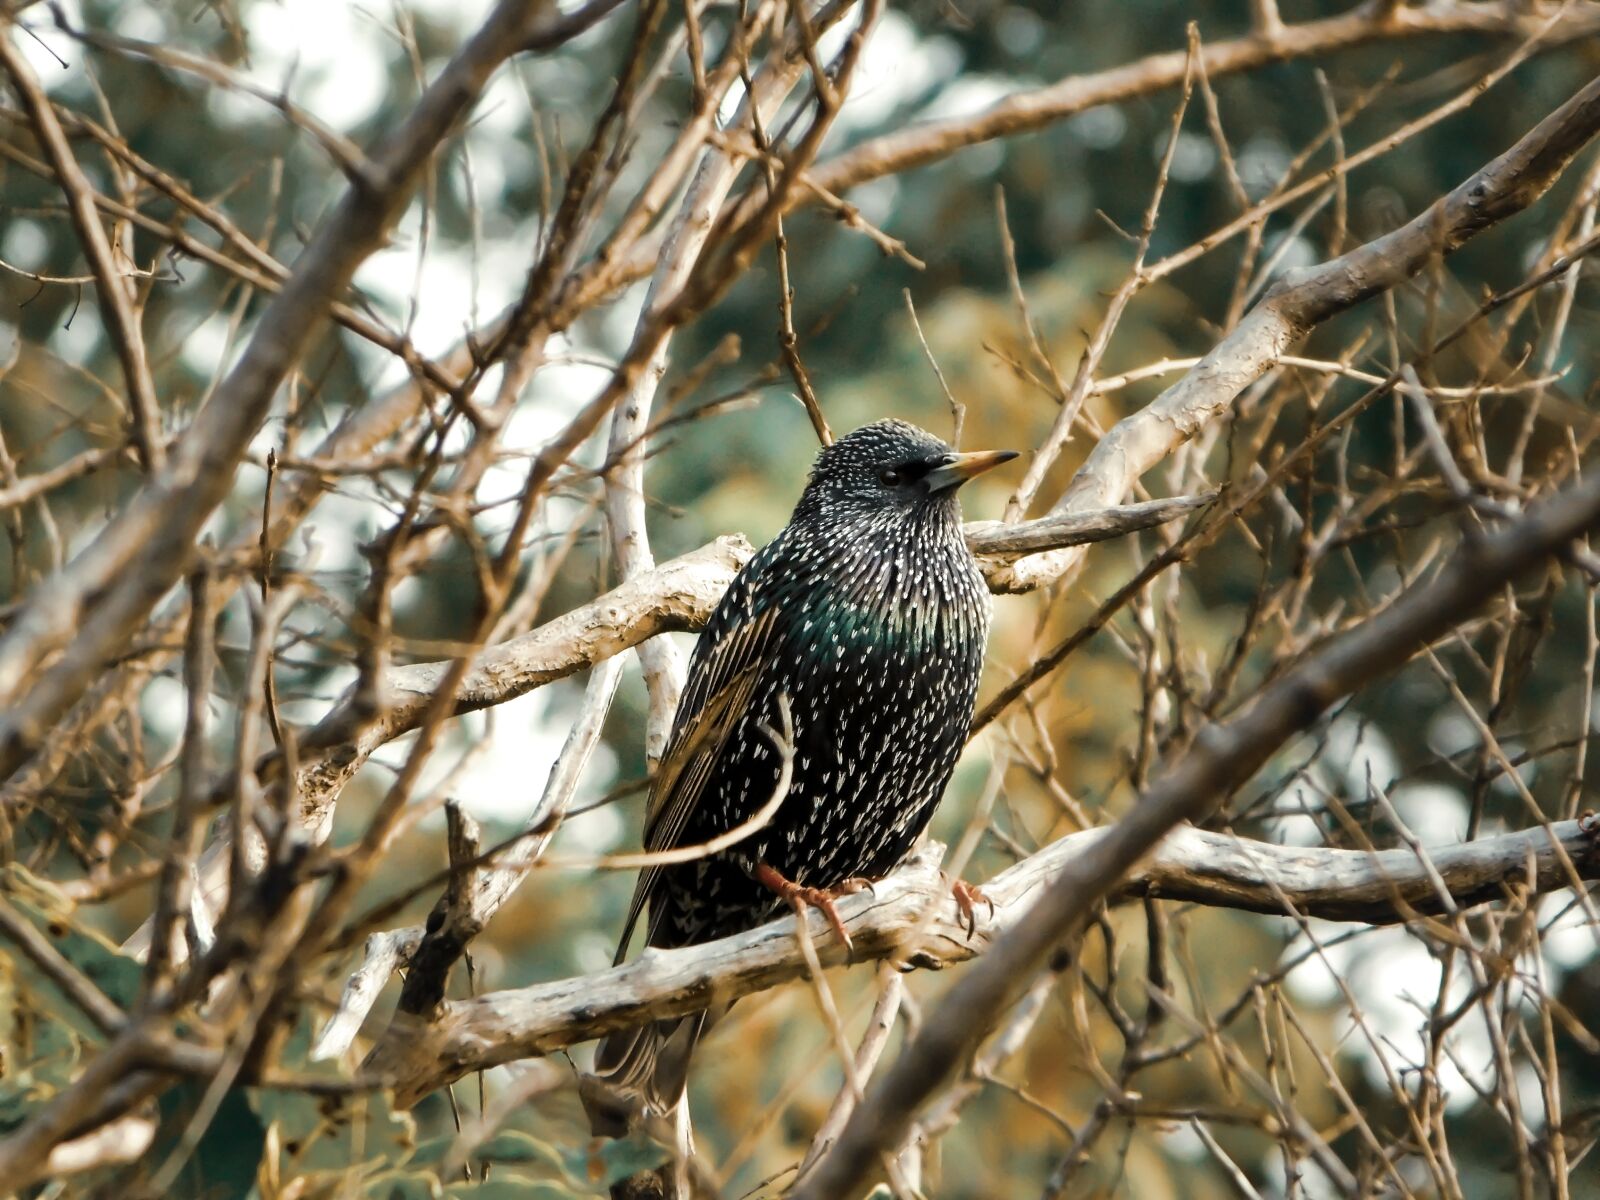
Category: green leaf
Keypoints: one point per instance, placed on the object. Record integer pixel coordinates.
(114, 973)
(606, 1160)
(512, 1145)
(323, 1130)
(224, 1163)
(404, 1185)
(509, 1189)
(432, 1152)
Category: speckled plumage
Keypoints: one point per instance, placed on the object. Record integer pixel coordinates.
(869, 613)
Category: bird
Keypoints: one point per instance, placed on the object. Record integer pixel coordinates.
(861, 629)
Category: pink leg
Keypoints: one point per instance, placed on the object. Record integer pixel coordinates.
(821, 899)
(967, 897)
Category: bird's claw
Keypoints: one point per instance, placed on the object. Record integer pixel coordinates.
(822, 899)
(967, 897)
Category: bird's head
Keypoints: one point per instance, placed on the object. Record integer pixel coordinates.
(891, 469)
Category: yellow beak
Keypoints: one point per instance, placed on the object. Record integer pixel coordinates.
(962, 467)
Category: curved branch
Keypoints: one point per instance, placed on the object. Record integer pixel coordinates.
(678, 595)
(910, 918)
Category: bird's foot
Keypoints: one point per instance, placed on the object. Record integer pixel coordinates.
(822, 899)
(967, 897)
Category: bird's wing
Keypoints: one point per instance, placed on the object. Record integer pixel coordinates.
(722, 679)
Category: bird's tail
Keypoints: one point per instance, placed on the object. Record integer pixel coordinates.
(651, 1063)
(639, 1074)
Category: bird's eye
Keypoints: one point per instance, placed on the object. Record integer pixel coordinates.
(889, 477)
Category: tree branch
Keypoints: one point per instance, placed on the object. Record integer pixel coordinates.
(910, 918)
(116, 299)
(996, 543)
(1024, 112)
(677, 596)
(1299, 302)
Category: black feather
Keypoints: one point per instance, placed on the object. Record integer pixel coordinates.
(869, 614)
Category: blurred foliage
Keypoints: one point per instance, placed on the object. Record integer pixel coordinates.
(766, 1075)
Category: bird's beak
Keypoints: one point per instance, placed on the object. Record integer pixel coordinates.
(963, 467)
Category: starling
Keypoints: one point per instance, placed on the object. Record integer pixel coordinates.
(865, 618)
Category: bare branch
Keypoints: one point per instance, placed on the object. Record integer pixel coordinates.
(122, 321)
(79, 988)
(112, 1144)
(910, 918)
(385, 953)
(920, 144)
(995, 543)
(157, 529)
(1304, 299)
(675, 596)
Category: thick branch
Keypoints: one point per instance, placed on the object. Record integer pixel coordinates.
(910, 917)
(678, 595)
(124, 1140)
